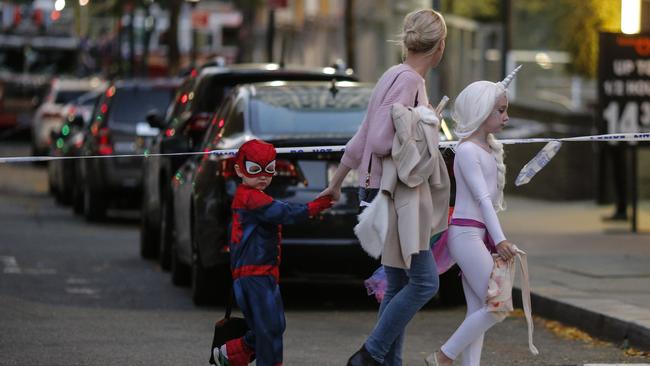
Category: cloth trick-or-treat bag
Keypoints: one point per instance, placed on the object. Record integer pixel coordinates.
(499, 299)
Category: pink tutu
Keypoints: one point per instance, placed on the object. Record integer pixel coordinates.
(376, 284)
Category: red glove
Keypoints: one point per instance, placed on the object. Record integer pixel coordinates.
(319, 204)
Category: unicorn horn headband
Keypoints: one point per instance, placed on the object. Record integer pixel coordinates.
(505, 82)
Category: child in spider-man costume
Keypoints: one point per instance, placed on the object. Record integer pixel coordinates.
(255, 257)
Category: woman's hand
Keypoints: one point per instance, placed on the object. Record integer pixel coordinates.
(335, 192)
(506, 250)
(336, 181)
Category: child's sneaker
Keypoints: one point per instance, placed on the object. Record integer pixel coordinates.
(219, 357)
(236, 353)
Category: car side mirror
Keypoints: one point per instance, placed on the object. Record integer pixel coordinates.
(154, 119)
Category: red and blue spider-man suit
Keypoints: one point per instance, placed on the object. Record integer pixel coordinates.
(257, 221)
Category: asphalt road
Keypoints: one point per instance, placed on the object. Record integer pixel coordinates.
(74, 293)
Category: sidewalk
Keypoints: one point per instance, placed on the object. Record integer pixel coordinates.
(585, 272)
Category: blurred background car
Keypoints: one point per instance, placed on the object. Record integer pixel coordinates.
(182, 131)
(119, 126)
(67, 142)
(49, 116)
(285, 114)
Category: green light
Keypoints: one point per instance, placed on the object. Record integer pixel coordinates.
(59, 143)
(65, 130)
(146, 153)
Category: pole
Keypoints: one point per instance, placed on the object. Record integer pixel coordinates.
(194, 36)
(505, 40)
(634, 184)
(350, 40)
(270, 34)
(435, 84)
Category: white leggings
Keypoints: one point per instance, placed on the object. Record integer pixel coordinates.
(468, 250)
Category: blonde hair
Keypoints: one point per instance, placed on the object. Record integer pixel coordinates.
(497, 152)
(422, 31)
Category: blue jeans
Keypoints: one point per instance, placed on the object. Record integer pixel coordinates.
(408, 290)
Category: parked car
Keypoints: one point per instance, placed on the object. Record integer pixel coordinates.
(67, 142)
(285, 114)
(120, 127)
(49, 115)
(183, 130)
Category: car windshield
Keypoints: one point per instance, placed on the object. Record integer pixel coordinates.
(131, 105)
(309, 111)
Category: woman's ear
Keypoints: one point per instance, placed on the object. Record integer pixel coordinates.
(238, 171)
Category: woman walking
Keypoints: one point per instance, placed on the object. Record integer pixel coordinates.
(480, 110)
(412, 281)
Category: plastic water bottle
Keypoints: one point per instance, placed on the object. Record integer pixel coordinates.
(537, 163)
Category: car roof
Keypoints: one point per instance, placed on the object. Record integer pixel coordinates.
(274, 86)
(78, 84)
(148, 83)
(257, 68)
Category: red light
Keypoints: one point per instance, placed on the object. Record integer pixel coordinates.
(104, 141)
(110, 91)
(221, 123)
(18, 16)
(184, 98)
(228, 168)
(55, 15)
(104, 108)
(193, 73)
(284, 168)
(170, 132)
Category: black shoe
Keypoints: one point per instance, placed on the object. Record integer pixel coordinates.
(616, 217)
(362, 358)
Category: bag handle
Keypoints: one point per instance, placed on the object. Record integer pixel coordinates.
(525, 298)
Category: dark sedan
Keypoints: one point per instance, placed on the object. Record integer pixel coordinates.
(285, 114)
(120, 127)
(182, 131)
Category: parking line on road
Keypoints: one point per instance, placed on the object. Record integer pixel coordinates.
(10, 265)
(82, 291)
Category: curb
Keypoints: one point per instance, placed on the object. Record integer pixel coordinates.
(625, 325)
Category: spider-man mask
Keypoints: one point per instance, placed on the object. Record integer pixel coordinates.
(256, 158)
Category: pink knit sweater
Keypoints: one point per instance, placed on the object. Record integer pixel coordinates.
(374, 139)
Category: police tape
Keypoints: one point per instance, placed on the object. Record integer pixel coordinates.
(623, 137)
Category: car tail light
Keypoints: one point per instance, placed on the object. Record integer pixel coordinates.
(198, 122)
(104, 143)
(285, 168)
(227, 168)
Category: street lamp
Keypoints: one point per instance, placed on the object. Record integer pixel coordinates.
(630, 16)
(193, 4)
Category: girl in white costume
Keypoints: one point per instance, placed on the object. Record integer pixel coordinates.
(479, 110)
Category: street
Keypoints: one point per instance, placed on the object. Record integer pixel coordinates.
(74, 293)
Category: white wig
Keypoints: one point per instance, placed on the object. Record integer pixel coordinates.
(475, 103)
(473, 107)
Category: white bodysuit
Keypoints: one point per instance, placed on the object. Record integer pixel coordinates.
(475, 170)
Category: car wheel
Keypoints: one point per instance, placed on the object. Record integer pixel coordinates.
(166, 226)
(94, 205)
(181, 272)
(77, 191)
(148, 242)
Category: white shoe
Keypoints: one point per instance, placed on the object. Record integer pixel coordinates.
(431, 359)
